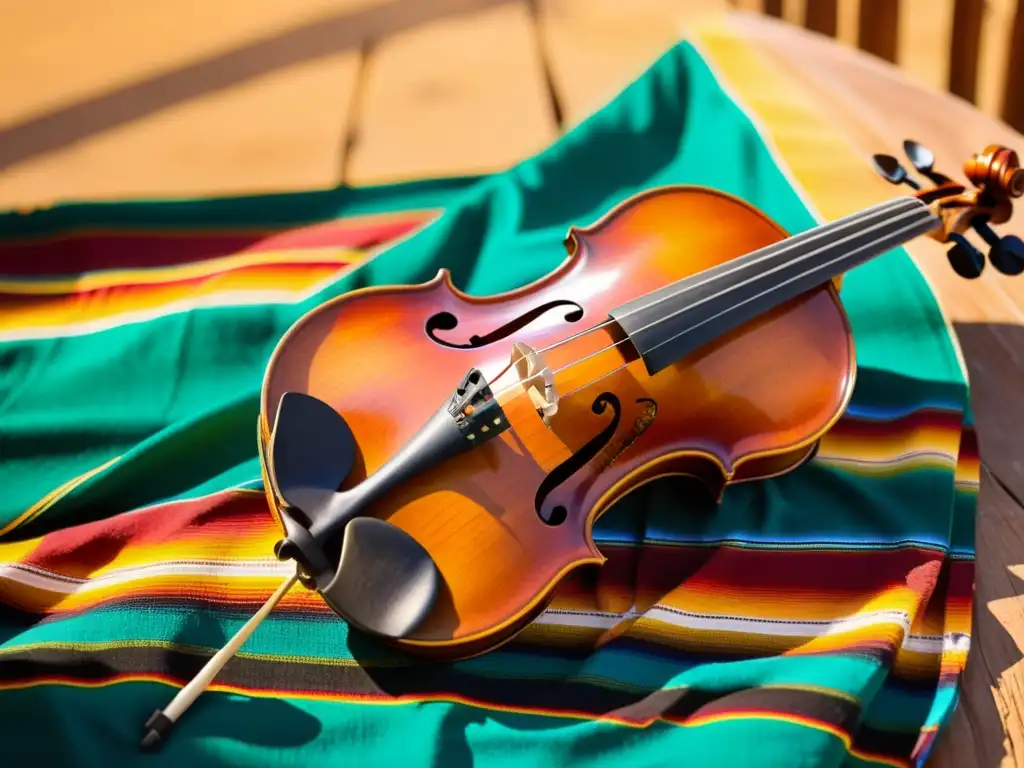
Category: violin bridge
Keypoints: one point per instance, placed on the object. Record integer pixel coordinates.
(537, 379)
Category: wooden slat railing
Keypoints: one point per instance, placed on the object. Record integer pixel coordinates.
(972, 48)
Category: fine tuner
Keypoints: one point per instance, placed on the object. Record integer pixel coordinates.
(437, 460)
(1006, 253)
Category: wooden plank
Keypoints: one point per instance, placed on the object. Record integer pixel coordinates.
(594, 49)
(925, 29)
(274, 134)
(848, 22)
(1013, 106)
(66, 51)
(994, 54)
(118, 98)
(773, 8)
(915, 34)
(461, 95)
(795, 11)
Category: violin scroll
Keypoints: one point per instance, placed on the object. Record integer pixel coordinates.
(997, 178)
(997, 171)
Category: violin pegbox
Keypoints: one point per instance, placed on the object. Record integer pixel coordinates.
(997, 179)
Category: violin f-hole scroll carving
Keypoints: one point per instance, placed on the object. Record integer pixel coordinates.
(446, 321)
(558, 514)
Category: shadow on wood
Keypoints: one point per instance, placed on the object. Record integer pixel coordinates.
(323, 37)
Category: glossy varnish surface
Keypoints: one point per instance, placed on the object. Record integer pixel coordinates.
(751, 405)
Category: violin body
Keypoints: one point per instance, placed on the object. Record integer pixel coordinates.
(506, 522)
(437, 461)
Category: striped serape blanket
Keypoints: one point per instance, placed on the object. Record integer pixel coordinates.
(820, 618)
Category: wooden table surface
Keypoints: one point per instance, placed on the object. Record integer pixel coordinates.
(116, 98)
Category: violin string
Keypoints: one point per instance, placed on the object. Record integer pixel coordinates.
(707, 320)
(741, 263)
(850, 222)
(718, 295)
(737, 286)
(757, 277)
(760, 275)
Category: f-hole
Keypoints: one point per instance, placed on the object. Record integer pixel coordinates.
(446, 321)
(578, 460)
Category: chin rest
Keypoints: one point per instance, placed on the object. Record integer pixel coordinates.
(379, 579)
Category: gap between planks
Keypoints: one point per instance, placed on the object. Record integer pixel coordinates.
(595, 49)
(460, 94)
(478, 91)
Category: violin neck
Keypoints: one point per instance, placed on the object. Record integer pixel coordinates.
(666, 325)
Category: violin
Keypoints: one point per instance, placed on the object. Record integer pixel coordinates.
(437, 460)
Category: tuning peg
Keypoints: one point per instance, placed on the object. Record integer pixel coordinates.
(920, 156)
(889, 168)
(923, 159)
(966, 260)
(1007, 255)
(981, 226)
